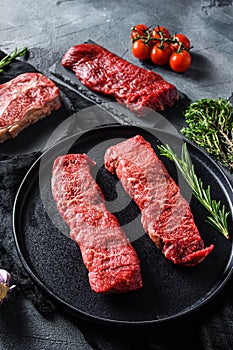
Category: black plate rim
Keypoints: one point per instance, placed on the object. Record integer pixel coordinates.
(82, 314)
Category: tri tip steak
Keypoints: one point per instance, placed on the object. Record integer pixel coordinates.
(109, 257)
(102, 71)
(165, 215)
(24, 100)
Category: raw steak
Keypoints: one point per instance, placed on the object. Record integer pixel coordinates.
(165, 214)
(24, 100)
(111, 260)
(102, 71)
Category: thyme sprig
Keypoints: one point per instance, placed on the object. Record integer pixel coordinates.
(218, 214)
(11, 56)
(210, 125)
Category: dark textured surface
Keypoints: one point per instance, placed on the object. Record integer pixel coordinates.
(48, 29)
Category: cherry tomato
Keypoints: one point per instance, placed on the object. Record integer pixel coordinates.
(160, 55)
(159, 31)
(141, 50)
(139, 29)
(180, 61)
(183, 39)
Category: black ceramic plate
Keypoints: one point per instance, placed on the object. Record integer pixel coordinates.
(54, 261)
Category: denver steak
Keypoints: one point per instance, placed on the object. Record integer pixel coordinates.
(111, 260)
(102, 71)
(24, 100)
(165, 214)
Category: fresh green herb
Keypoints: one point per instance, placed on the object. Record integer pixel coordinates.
(210, 125)
(218, 218)
(11, 56)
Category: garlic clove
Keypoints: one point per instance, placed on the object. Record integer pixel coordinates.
(5, 287)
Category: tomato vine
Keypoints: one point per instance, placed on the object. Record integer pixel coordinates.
(161, 47)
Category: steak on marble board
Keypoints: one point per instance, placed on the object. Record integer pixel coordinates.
(24, 100)
(111, 261)
(102, 71)
(165, 215)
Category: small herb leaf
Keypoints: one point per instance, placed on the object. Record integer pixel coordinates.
(10, 57)
(210, 125)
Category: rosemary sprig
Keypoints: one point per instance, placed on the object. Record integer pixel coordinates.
(218, 218)
(11, 56)
(210, 125)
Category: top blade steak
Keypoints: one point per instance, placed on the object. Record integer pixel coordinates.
(102, 71)
(165, 214)
(112, 263)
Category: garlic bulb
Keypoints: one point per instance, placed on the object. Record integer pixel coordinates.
(5, 284)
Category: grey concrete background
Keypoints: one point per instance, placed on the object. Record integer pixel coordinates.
(48, 28)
